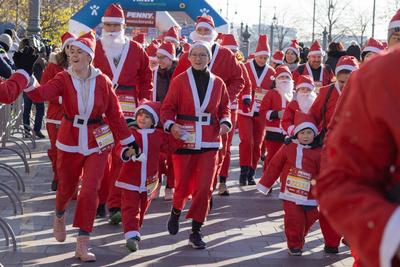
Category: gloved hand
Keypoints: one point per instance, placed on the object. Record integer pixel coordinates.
(280, 114)
(287, 140)
(246, 101)
(25, 59)
(135, 146)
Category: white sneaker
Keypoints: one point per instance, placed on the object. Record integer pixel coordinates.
(169, 194)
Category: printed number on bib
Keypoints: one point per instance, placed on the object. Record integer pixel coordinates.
(104, 138)
(189, 136)
(259, 94)
(128, 105)
(298, 184)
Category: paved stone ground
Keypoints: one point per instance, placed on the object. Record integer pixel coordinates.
(244, 229)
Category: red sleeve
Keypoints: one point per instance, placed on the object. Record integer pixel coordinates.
(288, 117)
(183, 65)
(247, 91)
(275, 167)
(145, 76)
(223, 109)
(234, 82)
(360, 163)
(49, 72)
(315, 109)
(12, 87)
(48, 91)
(266, 105)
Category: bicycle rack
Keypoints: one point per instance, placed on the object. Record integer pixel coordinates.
(15, 174)
(8, 233)
(9, 193)
(20, 155)
(23, 145)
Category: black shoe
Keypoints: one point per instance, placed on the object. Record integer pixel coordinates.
(331, 250)
(263, 157)
(196, 241)
(295, 251)
(39, 135)
(54, 185)
(101, 211)
(115, 216)
(243, 175)
(250, 177)
(173, 223)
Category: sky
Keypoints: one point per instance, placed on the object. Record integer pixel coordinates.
(298, 14)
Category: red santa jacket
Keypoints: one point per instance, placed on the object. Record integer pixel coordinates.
(271, 102)
(77, 136)
(132, 76)
(247, 92)
(182, 101)
(13, 86)
(289, 114)
(325, 77)
(260, 85)
(316, 108)
(360, 163)
(136, 175)
(293, 163)
(54, 110)
(223, 64)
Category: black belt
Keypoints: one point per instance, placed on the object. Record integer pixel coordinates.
(89, 121)
(194, 118)
(125, 87)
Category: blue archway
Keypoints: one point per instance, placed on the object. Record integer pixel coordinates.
(90, 15)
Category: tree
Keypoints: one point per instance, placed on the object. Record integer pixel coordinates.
(359, 26)
(331, 15)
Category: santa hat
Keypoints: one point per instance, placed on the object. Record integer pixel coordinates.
(186, 47)
(250, 57)
(205, 21)
(303, 121)
(305, 81)
(219, 37)
(156, 42)
(373, 45)
(113, 14)
(167, 49)
(151, 107)
(282, 70)
(172, 35)
(315, 49)
(349, 63)
(202, 44)
(229, 41)
(66, 39)
(139, 38)
(394, 25)
(151, 51)
(294, 46)
(278, 57)
(262, 46)
(86, 42)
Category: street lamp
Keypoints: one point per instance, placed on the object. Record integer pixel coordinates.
(274, 21)
(34, 18)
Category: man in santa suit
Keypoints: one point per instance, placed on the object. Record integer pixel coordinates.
(127, 65)
(358, 187)
(251, 125)
(314, 67)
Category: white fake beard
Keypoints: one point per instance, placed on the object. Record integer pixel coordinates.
(285, 88)
(305, 100)
(205, 38)
(113, 43)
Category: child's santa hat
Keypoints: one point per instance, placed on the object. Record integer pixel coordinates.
(167, 49)
(66, 39)
(294, 46)
(394, 25)
(172, 35)
(87, 43)
(114, 14)
(229, 41)
(373, 45)
(262, 46)
(278, 56)
(153, 108)
(305, 81)
(303, 121)
(282, 70)
(349, 63)
(140, 38)
(201, 44)
(151, 51)
(315, 49)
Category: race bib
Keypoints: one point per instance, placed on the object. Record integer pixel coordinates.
(127, 104)
(259, 94)
(318, 85)
(104, 137)
(151, 185)
(298, 184)
(189, 137)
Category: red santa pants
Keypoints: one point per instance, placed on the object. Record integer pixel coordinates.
(165, 166)
(69, 169)
(272, 147)
(297, 223)
(227, 159)
(194, 174)
(104, 187)
(52, 130)
(251, 134)
(331, 237)
(134, 206)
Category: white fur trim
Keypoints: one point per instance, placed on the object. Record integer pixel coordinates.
(284, 74)
(33, 83)
(268, 115)
(305, 125)
(296, 51)
(127, 140)
(299, 157)
(371, 49)
(214, 56)
(26, 75)
(113, 20)
(171, 39)
(116, 70)
(67, 42)
(167, 124)
(309, 71)
(227, 120)
(273, 129)
(262, 53)
(305, 202)
(84, 48)
(246, 96)
(306, 85)
(260, 79)
(232, 47)
(76, 149)
(165, 53)
(344, 67)
(316, 53)
(290, 130)
(205, 25)
(390, 241)
(262, 189)
(53, 121)
(394, 24)
(277, 61)
(150, 110)
(211, 145)
(130, 187)
(122, 153)
(131, 234)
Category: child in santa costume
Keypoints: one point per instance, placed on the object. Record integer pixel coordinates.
(196, 112)
(57, 63)
(138, 178)
(297, 164)
(125, 62)
(277, 59)
(303, 99)
(292, 56)
(251, 125)
(272, 108)
(83, 139)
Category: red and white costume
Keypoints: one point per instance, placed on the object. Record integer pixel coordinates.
(13, 86)
(84, 103)
(296, 165)
(195, 170)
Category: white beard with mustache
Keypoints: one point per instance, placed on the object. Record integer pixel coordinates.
(285, 89)
(305, 100)
(113, 43)
(205, 38)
